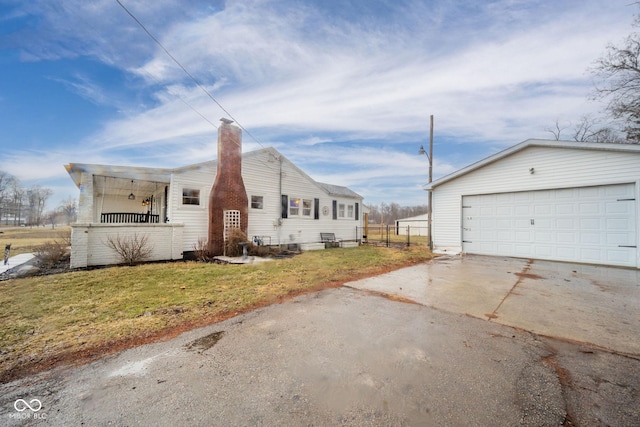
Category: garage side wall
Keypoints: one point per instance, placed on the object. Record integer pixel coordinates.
(553, 167)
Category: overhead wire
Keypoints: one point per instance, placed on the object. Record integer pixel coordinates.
(188, 74)
(279, 157)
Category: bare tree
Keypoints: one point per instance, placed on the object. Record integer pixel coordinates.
(587, 130)
(37, 198)
(617, 75)
(556, 131)
(17, 201)
(5, 179)
(11, 198)
(69, 210)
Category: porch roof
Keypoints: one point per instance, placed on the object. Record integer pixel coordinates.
(126, 173)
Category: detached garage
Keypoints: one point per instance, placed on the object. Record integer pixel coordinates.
(541, 199)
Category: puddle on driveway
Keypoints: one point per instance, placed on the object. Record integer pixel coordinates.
(206, 342)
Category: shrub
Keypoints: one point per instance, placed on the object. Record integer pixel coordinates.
(201, 250)
(52, 253)
(232, 245)
(131, 249)
(261, 250)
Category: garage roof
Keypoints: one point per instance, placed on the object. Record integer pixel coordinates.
(533, 143)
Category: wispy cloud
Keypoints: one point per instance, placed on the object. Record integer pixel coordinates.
(340, 87)
(356, 79)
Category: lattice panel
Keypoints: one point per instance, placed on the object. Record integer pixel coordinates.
(231, 221)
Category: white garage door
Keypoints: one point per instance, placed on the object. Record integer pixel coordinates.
(588, 224)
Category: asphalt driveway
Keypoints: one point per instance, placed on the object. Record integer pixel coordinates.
(352, 356)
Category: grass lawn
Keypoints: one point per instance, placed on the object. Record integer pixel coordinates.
(82, 315)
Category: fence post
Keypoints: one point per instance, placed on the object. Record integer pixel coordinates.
(388, 236)
(408, 235)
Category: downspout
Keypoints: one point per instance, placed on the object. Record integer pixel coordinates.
(104, 190)
(280, 216)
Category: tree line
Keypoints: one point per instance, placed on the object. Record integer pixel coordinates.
(388, 213)
(27, 206)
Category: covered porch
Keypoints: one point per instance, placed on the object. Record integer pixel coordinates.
(120, 194)
(122, 201)
(130, 201)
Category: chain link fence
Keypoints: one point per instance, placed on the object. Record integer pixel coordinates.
(394, 236)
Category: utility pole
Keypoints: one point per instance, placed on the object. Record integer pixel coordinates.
(430, 197)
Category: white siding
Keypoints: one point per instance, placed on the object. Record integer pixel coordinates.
(261, 178)
(194, 218)
(261, 175)
(88, 242)
(553, 167)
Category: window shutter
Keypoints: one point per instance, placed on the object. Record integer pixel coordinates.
(285, 206)
(357, 211)
(335, 209)
(316, 208)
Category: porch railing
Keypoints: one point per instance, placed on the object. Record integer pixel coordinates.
(128, 218)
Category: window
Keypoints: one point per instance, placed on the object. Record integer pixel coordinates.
(294, 206)
(345, 211)
(190, 196)
(306, 207)
(257, 202)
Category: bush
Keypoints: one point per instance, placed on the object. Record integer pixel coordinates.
(232, 245)
(53, 253)
(261, 250)
(201, 250)
(131, 249)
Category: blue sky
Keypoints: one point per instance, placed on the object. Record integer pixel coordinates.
(344, 89)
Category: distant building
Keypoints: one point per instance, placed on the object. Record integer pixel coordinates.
(414, 226)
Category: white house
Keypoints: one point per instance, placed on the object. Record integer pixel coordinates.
(414, 226)
(171, 207)
(542, 199)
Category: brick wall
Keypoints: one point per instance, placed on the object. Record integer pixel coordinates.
(228, 192)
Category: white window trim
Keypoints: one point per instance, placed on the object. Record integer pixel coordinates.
(251, 202)
(200, 204)
(300, 208)
(348, 208)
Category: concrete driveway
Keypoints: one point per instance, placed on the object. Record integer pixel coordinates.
(350, 357)
(579, 303)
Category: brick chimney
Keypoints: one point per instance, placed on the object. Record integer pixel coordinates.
(228, 192)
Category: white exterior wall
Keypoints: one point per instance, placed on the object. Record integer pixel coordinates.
(261, 176)
(88, 242)
(554, 167)
(195, 219)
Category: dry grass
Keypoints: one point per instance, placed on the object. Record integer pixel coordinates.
(27, 240)
(61, 317)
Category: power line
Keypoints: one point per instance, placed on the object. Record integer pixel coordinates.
(187, 73)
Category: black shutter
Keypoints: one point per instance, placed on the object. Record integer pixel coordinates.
(285, 206)
(357, 211)
(316, 208)
(335, 209)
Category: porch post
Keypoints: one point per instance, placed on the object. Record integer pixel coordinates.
(85, 200)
